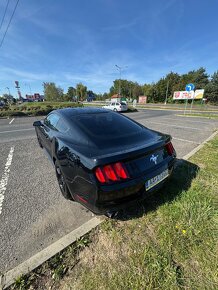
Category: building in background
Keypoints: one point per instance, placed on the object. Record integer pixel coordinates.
(118, 98)
(34, 98)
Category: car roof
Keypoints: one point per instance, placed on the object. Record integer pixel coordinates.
(66, 112)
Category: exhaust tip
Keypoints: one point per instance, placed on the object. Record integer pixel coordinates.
(112, 214)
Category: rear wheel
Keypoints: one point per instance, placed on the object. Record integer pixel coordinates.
(62, 183)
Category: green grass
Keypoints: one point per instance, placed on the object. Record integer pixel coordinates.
(169, 242)
(45, 104)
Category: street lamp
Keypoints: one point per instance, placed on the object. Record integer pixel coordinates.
(119, 68)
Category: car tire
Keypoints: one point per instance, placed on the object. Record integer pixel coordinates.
(115, 110)
(62, 183)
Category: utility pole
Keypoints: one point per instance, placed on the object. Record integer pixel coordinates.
(119, 68)
(166, 93)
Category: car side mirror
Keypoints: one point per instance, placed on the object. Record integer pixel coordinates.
(38, 124)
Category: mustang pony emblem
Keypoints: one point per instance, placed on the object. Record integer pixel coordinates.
(154, 158)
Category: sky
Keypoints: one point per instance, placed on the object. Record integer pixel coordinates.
(72, 41)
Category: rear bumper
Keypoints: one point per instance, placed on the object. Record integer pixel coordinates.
(116, 197)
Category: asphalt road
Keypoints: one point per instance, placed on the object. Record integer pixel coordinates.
(33, 213)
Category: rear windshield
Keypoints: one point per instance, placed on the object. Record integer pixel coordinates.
(106, 125)
(122, 103)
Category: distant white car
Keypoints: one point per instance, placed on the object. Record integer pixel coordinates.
(116, 106)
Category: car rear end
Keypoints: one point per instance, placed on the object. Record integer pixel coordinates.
(114, 185)
(125, 181)
(123, 107)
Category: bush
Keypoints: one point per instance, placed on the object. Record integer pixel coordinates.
(36, 110)
(18, 114)
(42, 112)
(12, 114)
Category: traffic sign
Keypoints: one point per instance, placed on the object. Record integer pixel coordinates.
(189, 87)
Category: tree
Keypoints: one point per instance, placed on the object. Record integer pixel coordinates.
(161, 88)
(173, 82)
(127, 88)
(137, 90)
(200, 78)
(52, 92)
(8, 99)
(91, 95)
(81, 91)
(71, 93)
(211, 89)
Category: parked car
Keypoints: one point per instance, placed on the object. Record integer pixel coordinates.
(116, 106)
(102, 159)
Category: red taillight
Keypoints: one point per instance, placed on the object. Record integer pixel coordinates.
(111, 172)
(99, 174)
(170, 149)
(121, 170)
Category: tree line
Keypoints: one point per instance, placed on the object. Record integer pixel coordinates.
(156, 92)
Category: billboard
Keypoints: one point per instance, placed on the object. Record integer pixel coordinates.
(183, 95)
(142, 99)
(199, 94)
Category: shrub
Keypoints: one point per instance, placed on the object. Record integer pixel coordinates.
(35, 110)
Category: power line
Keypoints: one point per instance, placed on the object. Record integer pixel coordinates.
(9, 24)
(3, 18)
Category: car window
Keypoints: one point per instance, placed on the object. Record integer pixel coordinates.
(51, 121)
(112, 104)
(117, 104)
(62, 126)
(122, 103)
(106, 125)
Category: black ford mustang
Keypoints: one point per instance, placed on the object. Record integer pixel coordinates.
(102, 159)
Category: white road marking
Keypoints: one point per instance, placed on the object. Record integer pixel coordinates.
(180, 119)
(11, 121)
(185, 140)
(176, 126)
(16, 130)
(5, 176)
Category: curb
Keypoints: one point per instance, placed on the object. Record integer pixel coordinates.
(35, 261)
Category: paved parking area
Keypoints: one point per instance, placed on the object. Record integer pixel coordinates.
(33, 213)
(187, 132)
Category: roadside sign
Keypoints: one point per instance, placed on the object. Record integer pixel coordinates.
(189, 87)
(199, 94)
(183, 95)
(142, 99)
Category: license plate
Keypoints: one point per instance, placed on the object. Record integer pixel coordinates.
(156, 179)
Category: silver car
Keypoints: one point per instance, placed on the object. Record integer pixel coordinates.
(116, 106)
